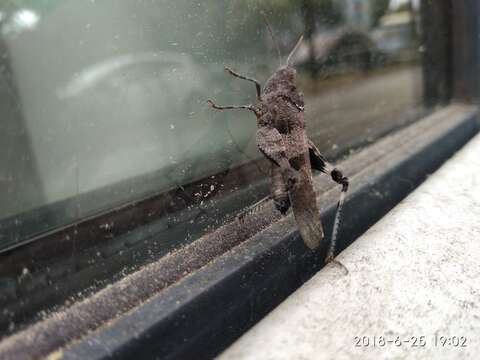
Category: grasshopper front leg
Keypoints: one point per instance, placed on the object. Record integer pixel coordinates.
(230, 107)
(243, 77)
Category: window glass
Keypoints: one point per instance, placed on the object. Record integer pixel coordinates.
(103, 102)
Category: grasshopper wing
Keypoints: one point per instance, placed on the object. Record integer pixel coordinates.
(305, 210)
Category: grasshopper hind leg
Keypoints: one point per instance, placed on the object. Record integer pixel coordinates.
(318, 162)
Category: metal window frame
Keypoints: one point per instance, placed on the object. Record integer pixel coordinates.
(238, 274)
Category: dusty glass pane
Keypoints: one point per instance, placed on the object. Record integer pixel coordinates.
(103, 102)
(104, 116)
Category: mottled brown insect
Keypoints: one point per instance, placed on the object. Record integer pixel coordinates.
(282, 138)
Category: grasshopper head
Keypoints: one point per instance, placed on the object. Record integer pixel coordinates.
(286, 74)
(283, 79)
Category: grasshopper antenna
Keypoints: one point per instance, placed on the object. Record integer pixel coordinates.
(273, 37)
(294, 50)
